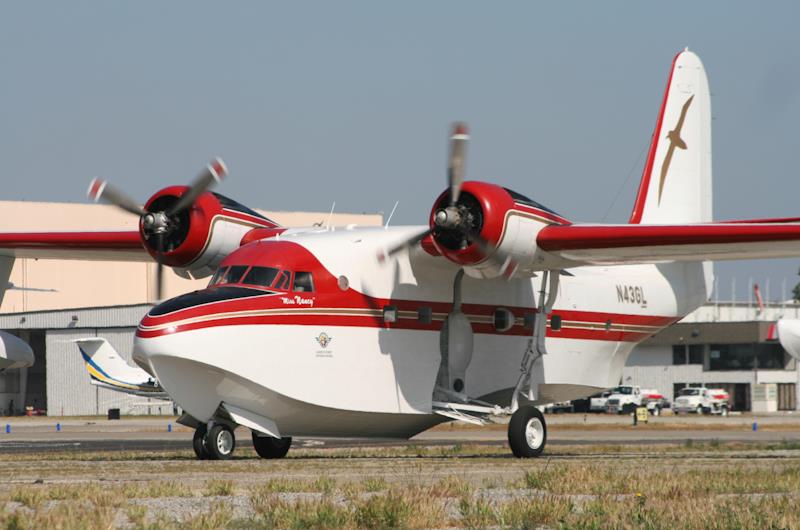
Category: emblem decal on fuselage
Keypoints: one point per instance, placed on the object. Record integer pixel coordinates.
(324, 340)
(675, 140)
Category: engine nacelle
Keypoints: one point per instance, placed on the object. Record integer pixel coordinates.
(200, 237)
(507, 224)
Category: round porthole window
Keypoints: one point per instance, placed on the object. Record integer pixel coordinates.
(344, 283)
(503, 319)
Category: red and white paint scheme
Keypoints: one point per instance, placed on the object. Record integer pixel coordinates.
(498, 304)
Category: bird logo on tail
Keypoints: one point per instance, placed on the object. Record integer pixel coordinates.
(675, 140)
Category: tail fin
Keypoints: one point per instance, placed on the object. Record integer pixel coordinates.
(676, 182)
(107, 368)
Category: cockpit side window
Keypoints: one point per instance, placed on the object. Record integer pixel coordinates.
(303, 282)
(218, 276)
(234, 274)
(261, 276)
(283, 280)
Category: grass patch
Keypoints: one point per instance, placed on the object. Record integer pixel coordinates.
(219, 488)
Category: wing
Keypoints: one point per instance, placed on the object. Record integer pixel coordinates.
(109, 246)
(620, 244)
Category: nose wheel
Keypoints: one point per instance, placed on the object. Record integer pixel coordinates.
(217, 443)
(527, 432)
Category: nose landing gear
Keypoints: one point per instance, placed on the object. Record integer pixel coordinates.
(217, 443)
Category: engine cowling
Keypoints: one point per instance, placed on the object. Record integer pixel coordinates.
(496, 234)
(200, 236)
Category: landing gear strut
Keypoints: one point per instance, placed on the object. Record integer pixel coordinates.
(217, 443)
(527, 432)
(268, 447)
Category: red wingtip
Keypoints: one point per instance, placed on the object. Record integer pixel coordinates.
(96, 187)
(218, 168)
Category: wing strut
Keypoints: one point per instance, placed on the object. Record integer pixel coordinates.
(548, 291)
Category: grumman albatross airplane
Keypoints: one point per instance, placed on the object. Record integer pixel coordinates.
(497, 305)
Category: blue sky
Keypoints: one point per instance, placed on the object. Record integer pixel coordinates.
(315, 102)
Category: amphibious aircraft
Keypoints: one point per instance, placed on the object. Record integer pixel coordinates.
(496, 305)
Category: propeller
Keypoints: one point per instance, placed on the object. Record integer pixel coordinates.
(160, 220)
(457, 222)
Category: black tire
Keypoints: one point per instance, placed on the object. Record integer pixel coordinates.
(628, 408)
(518, 432)
(199, 442)
(268, 447)
(700, 410)
(220, 442)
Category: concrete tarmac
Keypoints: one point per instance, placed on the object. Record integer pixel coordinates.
(30, 435)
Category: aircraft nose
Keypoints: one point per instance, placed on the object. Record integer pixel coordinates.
(14, 352)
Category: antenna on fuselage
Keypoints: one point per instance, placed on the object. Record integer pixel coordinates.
(389, 219)
(330, 215)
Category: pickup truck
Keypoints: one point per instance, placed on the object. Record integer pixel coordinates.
(702, 400)
(597, 403)
(626, 399)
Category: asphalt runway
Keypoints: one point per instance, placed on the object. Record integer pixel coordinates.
(33, 435)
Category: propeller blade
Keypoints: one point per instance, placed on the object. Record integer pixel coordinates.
(408, 243)
(455, 170)
(214, 172)
(101, 189)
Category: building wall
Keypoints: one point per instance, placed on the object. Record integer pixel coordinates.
(651, 367)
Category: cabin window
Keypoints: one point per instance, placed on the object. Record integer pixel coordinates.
(529, 319)
(555, 322)
(425, 315)
(261, 276)
(303, 282)
(234, 274)
(389, 313)
(218, 276)
(503, 319)
(283, 281)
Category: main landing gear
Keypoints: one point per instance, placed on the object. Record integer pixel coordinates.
(219, 442)
(527, 432)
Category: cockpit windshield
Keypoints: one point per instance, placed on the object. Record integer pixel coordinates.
(270, 277)
(261, 276)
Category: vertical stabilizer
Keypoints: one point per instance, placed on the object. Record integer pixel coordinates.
(108, 369)
(676, 182)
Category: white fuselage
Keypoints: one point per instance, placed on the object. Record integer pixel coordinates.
(317, 367)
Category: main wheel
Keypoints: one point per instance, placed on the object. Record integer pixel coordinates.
(199, 442)
(699, 410)
(527, 432)
(268, 447)
(220, 442)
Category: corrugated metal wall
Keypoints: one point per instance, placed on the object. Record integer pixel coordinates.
(69, 391)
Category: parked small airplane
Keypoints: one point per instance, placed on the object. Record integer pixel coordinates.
(14, 352)
(107, 369)
(498, 304)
